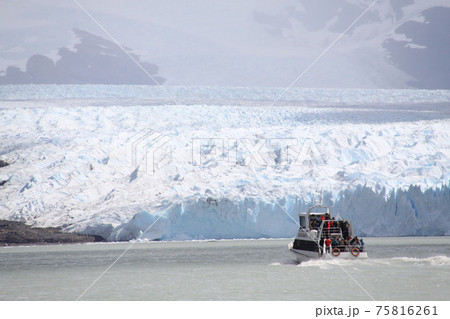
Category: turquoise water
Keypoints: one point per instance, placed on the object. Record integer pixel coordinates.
(397, 269)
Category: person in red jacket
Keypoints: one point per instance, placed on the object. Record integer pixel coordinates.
(328, 245)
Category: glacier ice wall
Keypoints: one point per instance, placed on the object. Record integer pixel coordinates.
(410, 212)
(208, 218)
(404, 212)
(381, 157)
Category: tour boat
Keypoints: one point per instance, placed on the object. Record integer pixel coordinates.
(321, 236)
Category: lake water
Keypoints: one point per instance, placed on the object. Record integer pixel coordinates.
(397, 269)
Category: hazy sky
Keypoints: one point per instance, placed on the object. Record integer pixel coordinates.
(229, 43)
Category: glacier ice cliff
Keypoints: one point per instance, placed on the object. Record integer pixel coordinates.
(236, 166)
(410, 212)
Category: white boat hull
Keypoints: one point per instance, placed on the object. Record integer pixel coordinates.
(303, 255)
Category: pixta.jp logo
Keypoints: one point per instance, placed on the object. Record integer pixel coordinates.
(149, 150)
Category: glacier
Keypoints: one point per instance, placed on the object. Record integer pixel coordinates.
(230, 163)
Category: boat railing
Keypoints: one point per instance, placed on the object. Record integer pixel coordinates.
(332, 231)
(329, 228)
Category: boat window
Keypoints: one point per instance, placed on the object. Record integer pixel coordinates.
(302, 221)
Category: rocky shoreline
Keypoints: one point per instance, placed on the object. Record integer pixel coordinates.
(18, 233)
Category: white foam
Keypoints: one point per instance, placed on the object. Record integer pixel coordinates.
(433, 261)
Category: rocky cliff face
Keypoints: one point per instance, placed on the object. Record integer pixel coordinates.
(16, 233)
(94, 60)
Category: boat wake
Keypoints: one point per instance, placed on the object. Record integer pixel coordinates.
(437, 261)
(284, 262)
(432, 261)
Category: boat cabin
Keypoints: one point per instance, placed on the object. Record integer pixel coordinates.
(317, 224)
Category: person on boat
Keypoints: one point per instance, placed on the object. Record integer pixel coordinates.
(346, 244)
(334, 223)
(361, 244)
(354, 241)
(341, 226)
(345, 229)
(328, 245)
(335, 242)
(327, 226)
(313, 224)
(342, 244)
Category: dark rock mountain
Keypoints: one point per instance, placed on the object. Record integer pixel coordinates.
(427, 56)
(94, 60)
(417, 44)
